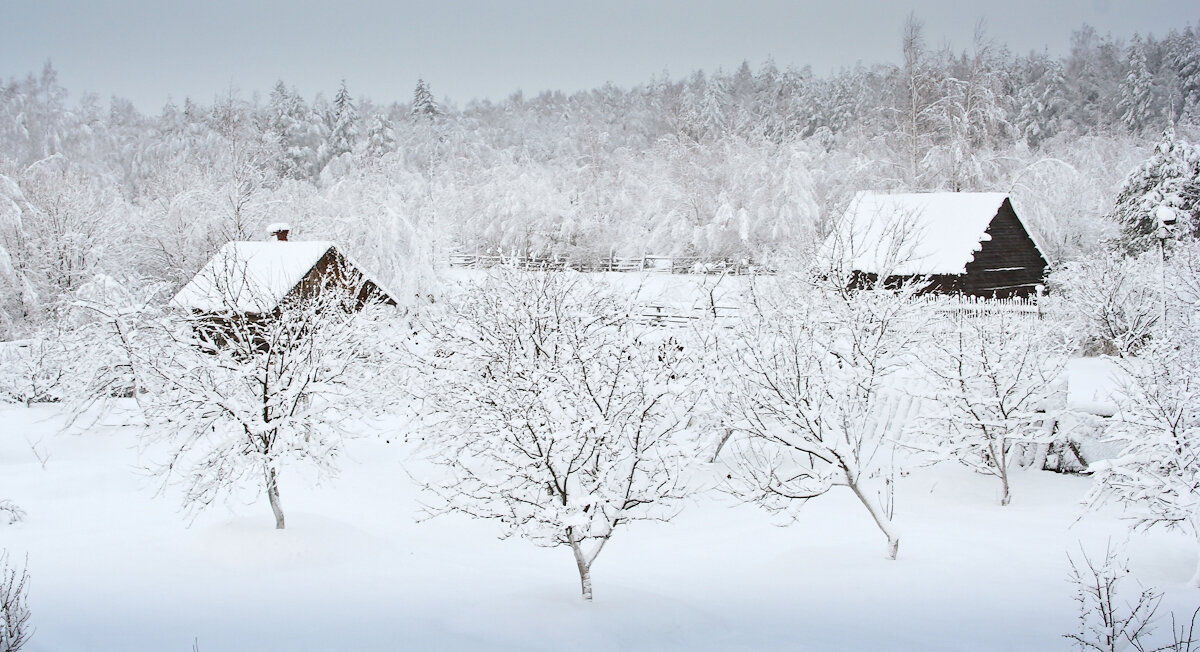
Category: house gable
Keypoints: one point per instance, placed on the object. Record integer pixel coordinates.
(1009, 262)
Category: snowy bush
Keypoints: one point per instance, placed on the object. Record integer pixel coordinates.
(1112, 303)
(15, 629)
(15, 513)
(1108, 620)
(34, 370)
(558, 414)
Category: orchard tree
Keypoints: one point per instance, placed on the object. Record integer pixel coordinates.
(1156, 476)
(236, 396)
(813, 402)
(993, 387)
(561, 416)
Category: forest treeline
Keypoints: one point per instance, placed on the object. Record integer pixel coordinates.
(747, 164)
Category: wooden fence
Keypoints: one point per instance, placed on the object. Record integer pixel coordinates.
(664, 264)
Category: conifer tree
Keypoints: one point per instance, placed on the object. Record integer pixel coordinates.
(1170, 178)
(1137, 94)
(423, 104)
(343, 131)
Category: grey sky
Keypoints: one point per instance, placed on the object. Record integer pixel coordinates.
(148, 50)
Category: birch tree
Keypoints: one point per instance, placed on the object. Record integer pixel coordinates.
(561, 417)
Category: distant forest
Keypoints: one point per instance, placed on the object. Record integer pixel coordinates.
(742, 164)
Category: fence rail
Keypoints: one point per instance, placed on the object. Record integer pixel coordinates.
(664, 264)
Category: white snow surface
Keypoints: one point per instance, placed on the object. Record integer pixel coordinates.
(913, 233)
(250, 276)
(115, 567)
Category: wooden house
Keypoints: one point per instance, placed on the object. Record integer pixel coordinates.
(255, 280)
(959, 243)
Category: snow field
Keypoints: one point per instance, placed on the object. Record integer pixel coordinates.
(115, 568)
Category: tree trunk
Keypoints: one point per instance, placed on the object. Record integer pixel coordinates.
(585, 569)
(273, 496)
(881, 520)
(1001, 457)
(725, 435)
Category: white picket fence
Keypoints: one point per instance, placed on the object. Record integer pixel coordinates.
(968, 306)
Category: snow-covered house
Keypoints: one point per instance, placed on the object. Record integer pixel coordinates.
(257, 278)
(969, 243)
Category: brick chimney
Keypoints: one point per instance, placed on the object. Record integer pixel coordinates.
(279, 231)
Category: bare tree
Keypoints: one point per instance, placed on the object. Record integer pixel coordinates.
(236, 395)
(1156, 476)
(15, 630)
(560, 416)
(994, 380)
(813, 397)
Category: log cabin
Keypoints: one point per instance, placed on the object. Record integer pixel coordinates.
(957, 243)
(253, 280)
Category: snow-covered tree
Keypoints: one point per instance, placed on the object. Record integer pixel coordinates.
(381, 139)
(917, 109)
(68, 227)
(343, 125)
(993, 388)
(1041, 99)
(1156, 476)
(291, 126)
(1112, 303)
(423, 104)
(15, 628)
(236, 396)
(813, 404)
(1169, 178)
(559, 415)
(1137, 90)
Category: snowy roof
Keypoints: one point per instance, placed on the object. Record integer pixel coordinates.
(914, 233)
(250, 276)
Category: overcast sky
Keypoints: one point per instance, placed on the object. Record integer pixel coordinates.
(150, 50)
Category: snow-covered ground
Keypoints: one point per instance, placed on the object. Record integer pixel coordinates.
(113, 567)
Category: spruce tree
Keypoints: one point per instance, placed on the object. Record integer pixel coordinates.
(1137, 90)
(343, 131)
(423, 105)
(1171, 178)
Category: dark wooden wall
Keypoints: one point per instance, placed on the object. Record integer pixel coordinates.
(333, 268)
(1008, 265)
